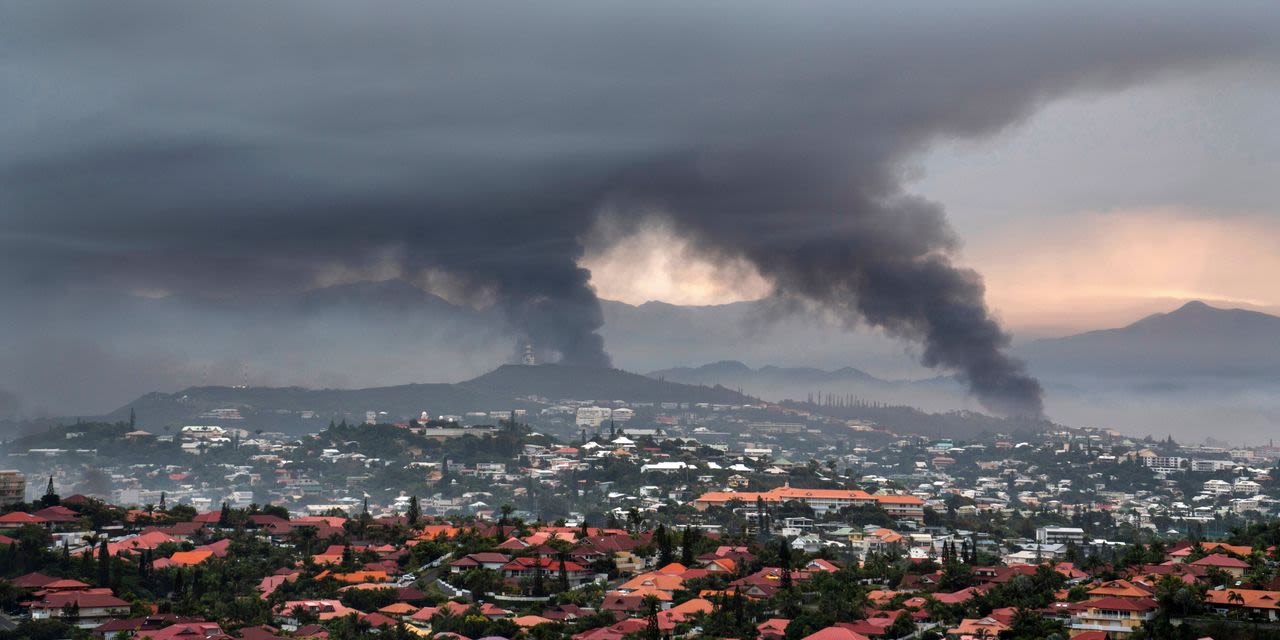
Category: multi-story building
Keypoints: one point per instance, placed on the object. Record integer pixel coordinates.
(1200, 465)
(820, 500)
(13, 487)
(592, 417)
(1164, 463)
(1060, 535)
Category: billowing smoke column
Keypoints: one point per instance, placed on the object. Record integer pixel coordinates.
(858, 249)
(206, 152)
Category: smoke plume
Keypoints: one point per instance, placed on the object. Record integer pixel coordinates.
(214, 151)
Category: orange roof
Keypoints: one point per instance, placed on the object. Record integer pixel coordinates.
(783, 494)
(433, 531)
(976, 627)
(530, 621)
(898, 500)
(1248, 598)
(662, 581)
(1119, 589)
(650, 591)
(362, 576)
(190, 558)
(696, 605)
(1239, 550)
(723, 564)
(791, 493)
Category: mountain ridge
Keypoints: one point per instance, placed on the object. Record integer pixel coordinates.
(1194, 339)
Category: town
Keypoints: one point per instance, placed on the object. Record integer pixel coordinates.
(600, 520)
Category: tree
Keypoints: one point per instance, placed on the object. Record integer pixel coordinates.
(224, 518)
(663, 540)
(414, 511)
(50, 498)
(903, 625)
(562, 555)
(688, 546)
(104, 564)
(651, 631)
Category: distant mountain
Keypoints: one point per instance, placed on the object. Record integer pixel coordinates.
(585, 383)
(734, 373)
(1193, 340)
(505, 388)
(800, 383)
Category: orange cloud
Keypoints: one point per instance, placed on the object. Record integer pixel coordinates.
(654, 263)
(1104, 269)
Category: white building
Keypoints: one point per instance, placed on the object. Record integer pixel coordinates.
(1059, 535)
(592, 417)
(1217, 487)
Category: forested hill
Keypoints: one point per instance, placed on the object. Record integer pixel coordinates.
(909, 420)
(507, 387)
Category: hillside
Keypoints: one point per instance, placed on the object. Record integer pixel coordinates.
(559, 381)
(732, 373)
(799, 383)
(501, 389)
(1193, 340)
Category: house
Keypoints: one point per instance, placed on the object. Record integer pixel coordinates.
(773, 629)
(58, 517)
(19, 519)
(488, 560)
(184, 559)
(519, 568)
(836, 633)
(1118, 617)
(1259, 604)
(90, 607)
(139, 627)
(1234, 567)
(1119, 589)
(189, 631)
(987, 627)
(290, 611)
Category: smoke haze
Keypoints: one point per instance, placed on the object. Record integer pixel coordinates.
(248, 153)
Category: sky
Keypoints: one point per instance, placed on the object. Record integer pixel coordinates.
(1093, 212)
(954, 180)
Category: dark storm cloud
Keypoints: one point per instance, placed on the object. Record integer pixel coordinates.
(246, 150)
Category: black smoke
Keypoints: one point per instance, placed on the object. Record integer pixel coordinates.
(254, 152)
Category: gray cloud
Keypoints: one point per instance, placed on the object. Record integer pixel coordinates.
(243, 151)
